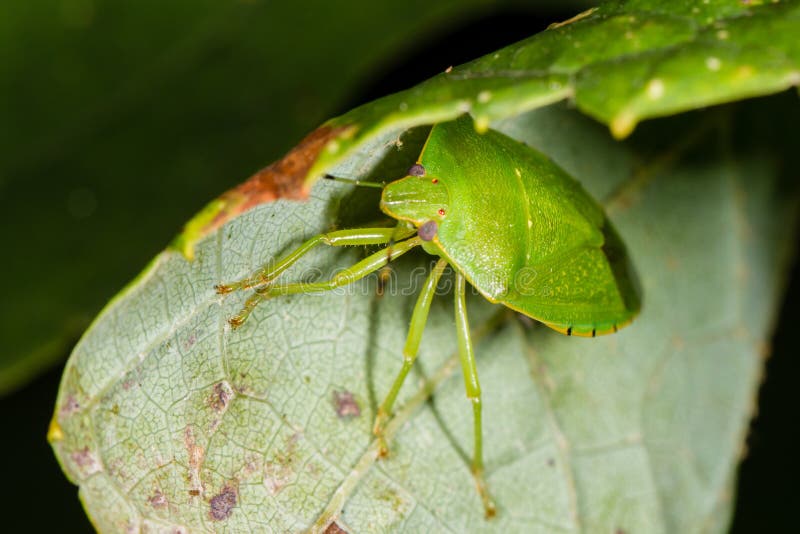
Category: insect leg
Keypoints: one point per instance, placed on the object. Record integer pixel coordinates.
(473, 387)
(401, 231)
(418, 319)
(368, 265)
(339, 238)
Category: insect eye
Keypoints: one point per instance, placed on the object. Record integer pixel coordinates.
(416, 170)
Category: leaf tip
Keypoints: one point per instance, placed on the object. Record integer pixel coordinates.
(481, 124)
(54, 431)
(197, 227)
(623, 125)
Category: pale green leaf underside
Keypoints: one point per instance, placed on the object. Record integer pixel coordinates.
(166, 418)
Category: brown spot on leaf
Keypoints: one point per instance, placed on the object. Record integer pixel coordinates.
(345, 405)
(158, 500)
(222, 504)
(190, 341)
(221, 396)
(194, 492)
(70, 406)
(86, 460)
(334, 528)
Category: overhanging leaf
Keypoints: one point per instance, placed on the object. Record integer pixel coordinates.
(620, 63)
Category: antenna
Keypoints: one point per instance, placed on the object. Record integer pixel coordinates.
(378, 185)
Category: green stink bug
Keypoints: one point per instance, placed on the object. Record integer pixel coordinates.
(511, 223)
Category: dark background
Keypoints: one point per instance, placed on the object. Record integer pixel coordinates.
(37, 497)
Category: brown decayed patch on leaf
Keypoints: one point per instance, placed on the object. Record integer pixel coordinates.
(70, 406)
(333, 528)
(286, 178)
(283, 179)
(222, 504)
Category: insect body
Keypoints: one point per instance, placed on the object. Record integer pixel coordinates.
(511, 223)
(522, 231)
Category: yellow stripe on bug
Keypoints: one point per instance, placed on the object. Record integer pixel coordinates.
(588, 331)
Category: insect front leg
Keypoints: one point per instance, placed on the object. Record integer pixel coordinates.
(268, 273)
(473, 388)
(418, 319)
(347, 276)
(340, 238)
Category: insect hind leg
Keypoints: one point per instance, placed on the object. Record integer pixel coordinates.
(470, 371)
(419, 317)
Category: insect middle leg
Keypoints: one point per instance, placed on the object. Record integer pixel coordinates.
(347, 276)
(473, 388)
(339, 238)
(418, 319)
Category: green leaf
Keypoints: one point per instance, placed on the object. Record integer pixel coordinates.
(120, 118)
(620, 63)
(168, 420)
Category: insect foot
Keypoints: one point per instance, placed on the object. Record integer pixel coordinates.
(378, 431)
(489, 508)
(223, 289)
(380, 420)
(236, 321)
(383, 449)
